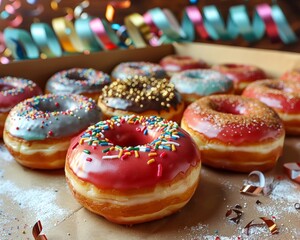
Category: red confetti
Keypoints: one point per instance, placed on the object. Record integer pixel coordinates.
(37, 230)
(50, 133)
(56, 104)
(89, 159)
(163, 154)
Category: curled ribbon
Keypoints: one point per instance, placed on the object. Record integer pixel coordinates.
(157, 26)
(21, 43)
(66, 33)
(252, 189)
(104, 34)
(268, 222)
(46, 40)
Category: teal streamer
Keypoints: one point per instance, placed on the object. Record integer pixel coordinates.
(285, 32)
(188, 26)
(162, 22)
(46, 39)
(215, 26)
(239, 19)
(20, 43)
(83, 30)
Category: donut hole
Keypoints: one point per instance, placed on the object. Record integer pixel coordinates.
(279, 87)
(181, 57)
(232, 65)
(5, 87)
(76, 76)
(124, 137)
(229, 107)
(54, 106)
(194, 75)
(135, 66)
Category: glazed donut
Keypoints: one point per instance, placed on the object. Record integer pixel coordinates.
(84, 81)
(194, 84)
(235, 133)
(283, 97)
(38, 130)
(175, 63)
(293, 75)
(126, 70)
(133, 178)
(242, 75)
(141, 96)
(12, 91)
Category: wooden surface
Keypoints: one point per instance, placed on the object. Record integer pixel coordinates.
(291, 9)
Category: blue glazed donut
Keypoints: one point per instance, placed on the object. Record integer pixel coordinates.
(84, 81)
(194, 84)
(38, 130)
(127, 70)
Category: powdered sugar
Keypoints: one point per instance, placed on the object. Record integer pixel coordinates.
(5, 155)
(40, 203)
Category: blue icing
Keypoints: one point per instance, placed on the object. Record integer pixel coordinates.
(201, 82)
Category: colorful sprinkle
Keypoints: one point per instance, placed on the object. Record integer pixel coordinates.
(152, 160)
(159, 170)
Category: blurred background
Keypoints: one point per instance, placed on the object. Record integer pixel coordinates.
(21, 13)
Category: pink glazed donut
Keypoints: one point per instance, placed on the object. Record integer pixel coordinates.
(12, 91)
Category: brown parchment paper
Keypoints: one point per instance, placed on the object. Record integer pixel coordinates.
(27, 196)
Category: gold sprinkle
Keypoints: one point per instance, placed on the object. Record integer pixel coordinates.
(152, 160)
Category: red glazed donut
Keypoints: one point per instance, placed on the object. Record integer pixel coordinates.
(133, 169)
(242, 75)
(293, 75)
(235, 133)
(175, 63)
(12, 91)
(283, 97)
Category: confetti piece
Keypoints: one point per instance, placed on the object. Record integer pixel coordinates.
(292, 169)
(254, 189)
(258, 202)
(238, 213)
(270, 224)
(37, 230)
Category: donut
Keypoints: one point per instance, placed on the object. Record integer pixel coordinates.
(175, 63)
(235, 133)
(126, 70)
(38, 130)
(242, 75)
(283, 97)
(292, 75)
(141, 96)
(84, 81)
(133, 178)
(12, 91)
(194, 84)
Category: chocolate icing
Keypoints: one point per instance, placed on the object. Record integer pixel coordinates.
(141, 94)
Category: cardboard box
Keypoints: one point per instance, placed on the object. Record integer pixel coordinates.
(27, 196)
